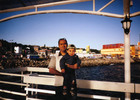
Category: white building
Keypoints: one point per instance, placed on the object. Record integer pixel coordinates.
(17, 50)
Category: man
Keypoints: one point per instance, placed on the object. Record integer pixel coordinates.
(54, 67)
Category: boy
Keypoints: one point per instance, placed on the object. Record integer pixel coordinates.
(69, 84)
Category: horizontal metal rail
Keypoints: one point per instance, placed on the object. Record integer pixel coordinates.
(14, 83)
(22, 69)
(11, 74)
(1, 98)
(85, 84)
(40, 90)
(12, 92)
(99, 85)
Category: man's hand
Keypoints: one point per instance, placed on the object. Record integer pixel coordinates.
(55, 72)
(63, 71)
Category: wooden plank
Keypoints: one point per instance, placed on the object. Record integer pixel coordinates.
(39, 80)
(37, 69)
(40, 90)
(107, 86)
(86, 84)
(137, 88)
(11, 70)
(97, 97)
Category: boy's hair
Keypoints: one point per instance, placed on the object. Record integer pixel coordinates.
(71, 46)
(62, 39)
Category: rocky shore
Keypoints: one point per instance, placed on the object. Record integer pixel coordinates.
(100, 62)
(85, 62)
(13, 63)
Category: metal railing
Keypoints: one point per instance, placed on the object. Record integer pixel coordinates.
(27, 79)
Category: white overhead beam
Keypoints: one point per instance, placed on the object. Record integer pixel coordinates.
(135, 14)
(64, 11)
(106, 5)
(43, 5)
(93, 5)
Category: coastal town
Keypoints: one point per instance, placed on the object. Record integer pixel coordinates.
(18, 55)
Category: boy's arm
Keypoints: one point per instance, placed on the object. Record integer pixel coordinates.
(72, 66)
(75, 66)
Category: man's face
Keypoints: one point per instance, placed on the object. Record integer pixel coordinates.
(71, 52)
(62, 45)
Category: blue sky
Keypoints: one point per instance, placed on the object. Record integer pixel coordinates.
(78, 29)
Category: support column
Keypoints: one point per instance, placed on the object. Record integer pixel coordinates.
(127, 70)
(127, 58)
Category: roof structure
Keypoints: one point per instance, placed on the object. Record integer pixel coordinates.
(20, 5)
(10, 4)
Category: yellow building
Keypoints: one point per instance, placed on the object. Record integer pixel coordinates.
(138, 50)
(133, 50)
(88, 49)
(36, 48)
(112, 52)
(79, 50)
(118, 50)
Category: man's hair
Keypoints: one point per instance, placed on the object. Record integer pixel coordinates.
(62, 39)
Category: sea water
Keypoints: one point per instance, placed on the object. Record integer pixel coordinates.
(113, 73)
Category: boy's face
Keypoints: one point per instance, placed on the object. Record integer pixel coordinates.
(71, 52)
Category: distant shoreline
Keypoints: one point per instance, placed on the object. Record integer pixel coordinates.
(85, 62)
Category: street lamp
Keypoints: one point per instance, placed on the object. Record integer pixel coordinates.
(126, 23)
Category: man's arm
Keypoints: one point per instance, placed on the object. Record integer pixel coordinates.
(55, 72)
(52, 66)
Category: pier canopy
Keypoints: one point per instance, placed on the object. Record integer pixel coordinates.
(22, 5)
